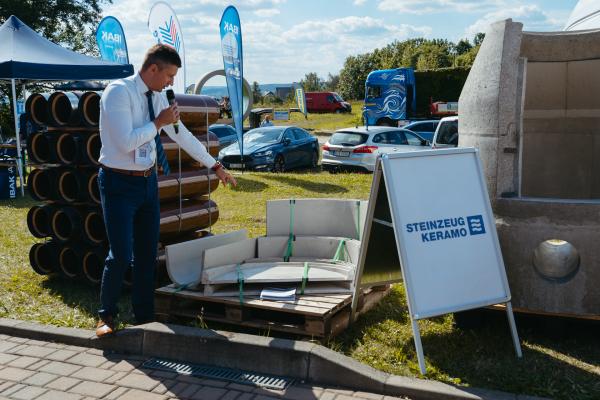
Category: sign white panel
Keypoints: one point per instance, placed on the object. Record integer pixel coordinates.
(445, 231)
(279, 115)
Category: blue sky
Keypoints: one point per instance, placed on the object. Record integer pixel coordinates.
(285, 39)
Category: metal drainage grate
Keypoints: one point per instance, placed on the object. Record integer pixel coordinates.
(226, 374)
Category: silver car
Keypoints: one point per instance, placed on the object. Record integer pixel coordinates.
(356, 149)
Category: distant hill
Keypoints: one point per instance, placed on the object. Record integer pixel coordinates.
(220, 91)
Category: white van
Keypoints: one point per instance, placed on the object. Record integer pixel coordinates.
(446, 134)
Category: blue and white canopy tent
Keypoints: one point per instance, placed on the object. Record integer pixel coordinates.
(27, 56)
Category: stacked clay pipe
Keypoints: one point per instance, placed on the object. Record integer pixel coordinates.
(65, 154)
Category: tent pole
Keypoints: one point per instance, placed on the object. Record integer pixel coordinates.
(19, 161)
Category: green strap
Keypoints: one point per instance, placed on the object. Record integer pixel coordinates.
(181, 287)
(358, 220)
(290, 243)
(338, 253)
(304, 277)
(240, 276)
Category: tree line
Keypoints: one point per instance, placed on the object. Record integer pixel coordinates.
(420, 54)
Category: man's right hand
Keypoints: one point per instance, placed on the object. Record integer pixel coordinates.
(167, 116)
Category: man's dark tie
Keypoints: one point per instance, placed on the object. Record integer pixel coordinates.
(161, 157)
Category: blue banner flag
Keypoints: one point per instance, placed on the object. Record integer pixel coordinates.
(231, 46)
(301, 100)
(111, 41)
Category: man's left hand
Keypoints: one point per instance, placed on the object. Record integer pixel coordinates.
(226, 177)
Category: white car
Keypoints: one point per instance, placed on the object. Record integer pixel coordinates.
(446, 133)
(356, 149)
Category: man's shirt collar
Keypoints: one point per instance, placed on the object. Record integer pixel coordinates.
(140, 84)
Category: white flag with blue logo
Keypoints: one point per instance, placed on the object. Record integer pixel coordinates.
(165, 29)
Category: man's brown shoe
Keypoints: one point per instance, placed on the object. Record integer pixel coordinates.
(105, 326)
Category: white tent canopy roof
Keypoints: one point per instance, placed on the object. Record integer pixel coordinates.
(585, 15)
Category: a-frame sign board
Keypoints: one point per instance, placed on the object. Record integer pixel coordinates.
(430, 224)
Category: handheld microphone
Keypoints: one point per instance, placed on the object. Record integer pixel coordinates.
(171, 100)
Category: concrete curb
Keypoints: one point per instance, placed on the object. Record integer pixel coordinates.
(302, 360)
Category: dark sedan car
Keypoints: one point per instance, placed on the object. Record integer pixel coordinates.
(273, 148)
(225, 133)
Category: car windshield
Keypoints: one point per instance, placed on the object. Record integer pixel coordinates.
(337, 97)
(448, 133)
(348, 138)
(262, 136)
(221, 132)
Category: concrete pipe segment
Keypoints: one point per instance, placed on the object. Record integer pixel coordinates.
(73, 109)
(531, 107)
(43, 257)
(42, 147)
(197, 112)
(37, 108)
(93, 264)
(246, 89)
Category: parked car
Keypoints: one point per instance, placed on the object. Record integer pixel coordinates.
(425, 129)
(356, 149)
(326, 102)
(446, 134)
(273, 148)
(226, 134)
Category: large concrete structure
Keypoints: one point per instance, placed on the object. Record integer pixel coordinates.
(531, 106)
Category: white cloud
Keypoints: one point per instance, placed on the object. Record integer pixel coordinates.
(266, 12)
(438, 6)
(532, 17)
(359, 2)
(348, 28)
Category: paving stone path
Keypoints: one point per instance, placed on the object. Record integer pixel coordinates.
(33, 369)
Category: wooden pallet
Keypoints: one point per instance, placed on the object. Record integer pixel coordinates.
(320, 316)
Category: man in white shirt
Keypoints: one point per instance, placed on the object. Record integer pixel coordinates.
(266, 121)
(131, 118)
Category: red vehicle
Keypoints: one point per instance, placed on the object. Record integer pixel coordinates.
(326, 102)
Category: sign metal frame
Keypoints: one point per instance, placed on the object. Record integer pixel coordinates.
(380, 183)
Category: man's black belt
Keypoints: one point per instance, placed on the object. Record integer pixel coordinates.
(146, 173)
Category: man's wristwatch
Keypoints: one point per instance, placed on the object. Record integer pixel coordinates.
(217, 166)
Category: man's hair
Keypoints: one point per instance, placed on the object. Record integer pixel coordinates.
(161, 55)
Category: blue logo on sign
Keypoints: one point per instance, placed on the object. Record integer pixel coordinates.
(476, 226)
(447, 228)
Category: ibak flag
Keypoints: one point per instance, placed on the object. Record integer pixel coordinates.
(231, 46)
(301, 100)
(165, 29)
(111, 41)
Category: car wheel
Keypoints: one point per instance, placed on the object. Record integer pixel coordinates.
(279, 164)
(338, 111)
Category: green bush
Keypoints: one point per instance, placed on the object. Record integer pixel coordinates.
(444, 84)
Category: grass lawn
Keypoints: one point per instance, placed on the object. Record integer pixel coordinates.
(558, 361)
(322, 122)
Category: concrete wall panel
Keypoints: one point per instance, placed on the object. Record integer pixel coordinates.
(561, 46)
(556, 165)
(546, 86)
(583, 86)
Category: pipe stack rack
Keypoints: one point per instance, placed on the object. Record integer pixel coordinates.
(65, 156)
